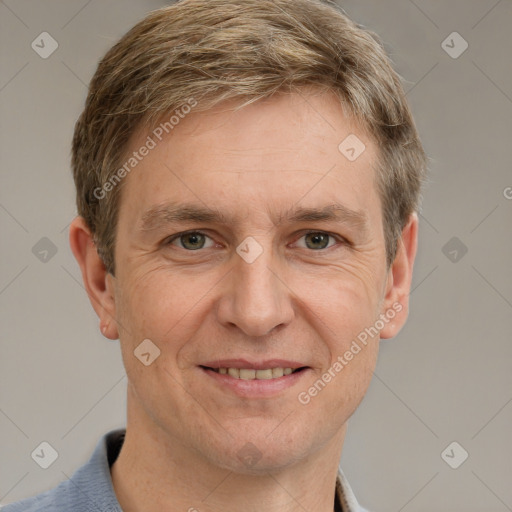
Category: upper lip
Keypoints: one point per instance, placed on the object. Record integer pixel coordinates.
(253, 365)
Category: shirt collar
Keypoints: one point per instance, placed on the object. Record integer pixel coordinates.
(345, 499)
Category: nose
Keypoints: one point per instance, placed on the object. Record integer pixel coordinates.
(255, 299)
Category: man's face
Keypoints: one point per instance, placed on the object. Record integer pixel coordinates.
(270, 285)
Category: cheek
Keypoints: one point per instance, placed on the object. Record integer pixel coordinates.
(160, 303)
(347, 388)
(340, 303)
(352, 343)
(343, 314)
(342, 320)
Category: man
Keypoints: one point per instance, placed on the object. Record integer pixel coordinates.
(247, 177)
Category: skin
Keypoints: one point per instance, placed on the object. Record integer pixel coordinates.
(299, 300)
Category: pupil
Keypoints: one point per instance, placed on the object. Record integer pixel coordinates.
(319, 238)
(194, 240)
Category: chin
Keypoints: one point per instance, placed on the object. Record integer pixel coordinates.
(250, 460)
(261, 452)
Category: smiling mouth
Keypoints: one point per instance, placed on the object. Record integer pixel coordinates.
(252, 374)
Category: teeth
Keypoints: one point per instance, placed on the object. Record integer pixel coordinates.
(251, 374)
(277, 372)
(234, 372)
(247, 374)
(263, 374)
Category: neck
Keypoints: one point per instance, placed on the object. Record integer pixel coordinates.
(154, 471)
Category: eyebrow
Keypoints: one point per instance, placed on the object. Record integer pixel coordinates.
(160, 215)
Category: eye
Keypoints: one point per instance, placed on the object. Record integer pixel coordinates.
(191, 241)
(195, 240)
(317, 240)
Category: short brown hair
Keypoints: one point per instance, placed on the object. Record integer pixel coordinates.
(210, 51)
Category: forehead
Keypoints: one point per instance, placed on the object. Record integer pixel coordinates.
(277, 153)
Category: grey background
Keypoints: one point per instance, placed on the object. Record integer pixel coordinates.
(446, 377)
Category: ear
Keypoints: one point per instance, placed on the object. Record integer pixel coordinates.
(98, 283)
(395, 305)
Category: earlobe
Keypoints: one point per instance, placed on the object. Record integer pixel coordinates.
(396, 301)
(97, 282)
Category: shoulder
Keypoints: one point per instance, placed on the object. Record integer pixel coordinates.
(37, 503)
(56, 500)
(90, 488)
(64, 498)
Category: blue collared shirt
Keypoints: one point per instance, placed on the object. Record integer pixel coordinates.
(90, 489)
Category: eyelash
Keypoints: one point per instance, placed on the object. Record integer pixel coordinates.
(339, 239)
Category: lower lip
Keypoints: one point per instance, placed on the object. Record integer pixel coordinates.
(256, 388)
